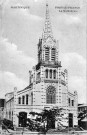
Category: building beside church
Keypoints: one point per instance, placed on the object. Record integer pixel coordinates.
(82, 116)
(48, 84)
(2, 102)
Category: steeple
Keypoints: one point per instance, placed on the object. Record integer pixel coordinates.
(47, 31)
(47, 46)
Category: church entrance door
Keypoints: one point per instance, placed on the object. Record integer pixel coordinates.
(22, 119)
(70, 120)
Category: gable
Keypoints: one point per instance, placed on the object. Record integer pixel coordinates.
(50, 41)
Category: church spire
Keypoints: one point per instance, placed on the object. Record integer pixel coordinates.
(47, 31)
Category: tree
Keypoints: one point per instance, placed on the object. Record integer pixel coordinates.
(34, 123)
(52, 115)
(46, 119)
(82, 115)
(82, 119)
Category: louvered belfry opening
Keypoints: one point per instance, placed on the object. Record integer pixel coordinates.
(53, 54)
(47, 54)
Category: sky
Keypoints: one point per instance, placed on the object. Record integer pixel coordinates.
(20, 30)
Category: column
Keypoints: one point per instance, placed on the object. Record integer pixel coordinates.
(52, 75)
(34, 86)
(43, 99)
(75, 108)
(48, 73)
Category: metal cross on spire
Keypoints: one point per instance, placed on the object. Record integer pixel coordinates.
(47, 31)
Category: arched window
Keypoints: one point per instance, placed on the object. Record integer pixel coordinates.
(31, 98)
(19, 100)
(46, 53)
(6, 114)
(50, 73)
(9, 114)
(53, 54)
(26, 99)
(72, 102)
(23, 99)
(46, 73)
(54, 74)
(12, 115)
(51, 95)
(69, 101)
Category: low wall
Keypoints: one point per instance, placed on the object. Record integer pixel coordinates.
(38, 133)
(69, 133)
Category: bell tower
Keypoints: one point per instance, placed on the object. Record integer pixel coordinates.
(47, 46)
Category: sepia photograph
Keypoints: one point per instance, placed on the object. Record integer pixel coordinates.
(43, 80)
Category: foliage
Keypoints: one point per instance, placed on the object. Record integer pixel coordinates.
(51, 116)
(35, 123)
(82, 119)
(46, 119)
(7, 124)
(82, 115)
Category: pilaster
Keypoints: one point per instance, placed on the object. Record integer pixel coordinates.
(57, 50)
(34, 83)
(59, 88)
(43, 94)
(15, 118)
(66, 81)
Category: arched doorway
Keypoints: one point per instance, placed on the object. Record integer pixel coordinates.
(22, 119)
(70, 120)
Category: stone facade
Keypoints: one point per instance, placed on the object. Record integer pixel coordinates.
(48, 83)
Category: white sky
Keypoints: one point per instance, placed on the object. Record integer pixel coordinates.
(19, 35)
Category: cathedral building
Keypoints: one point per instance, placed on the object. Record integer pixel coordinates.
(48, 83)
